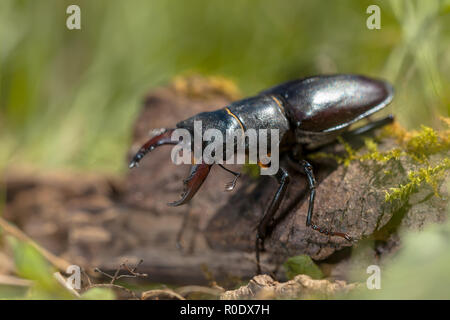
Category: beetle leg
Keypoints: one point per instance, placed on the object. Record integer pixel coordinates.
(198, 174)
(312, 192)
(229, 186)
(282, 177)
(156, 141)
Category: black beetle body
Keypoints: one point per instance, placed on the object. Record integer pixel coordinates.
(331, 103)
(315, 109)
(307, 112)
(260, 112)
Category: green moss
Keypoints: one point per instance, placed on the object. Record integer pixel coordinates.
(417, 146)
(424, 144)
(378, 156)
(430, 175)
(353, 155)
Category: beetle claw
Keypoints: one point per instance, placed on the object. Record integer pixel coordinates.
(156, 141)
(198, 174)
(133, 164)
(229, 186)
(348, 238)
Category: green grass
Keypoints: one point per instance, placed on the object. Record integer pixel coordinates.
(69, 98)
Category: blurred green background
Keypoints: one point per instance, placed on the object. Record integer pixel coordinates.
(68, 98)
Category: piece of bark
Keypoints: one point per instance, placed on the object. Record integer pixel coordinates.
(302, 286)
(98, 221)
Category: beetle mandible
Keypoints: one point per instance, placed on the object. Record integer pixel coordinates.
(308, 112)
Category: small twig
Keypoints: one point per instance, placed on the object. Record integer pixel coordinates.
(159, 292)
(133, 271)
(87, 277)
(103, 273)
(12, 230)
(116, 276)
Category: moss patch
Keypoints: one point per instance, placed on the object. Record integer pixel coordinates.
(417, 147)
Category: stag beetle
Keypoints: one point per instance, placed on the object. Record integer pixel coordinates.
(308, 113)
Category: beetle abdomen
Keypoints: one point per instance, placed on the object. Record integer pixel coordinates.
(330, 103)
